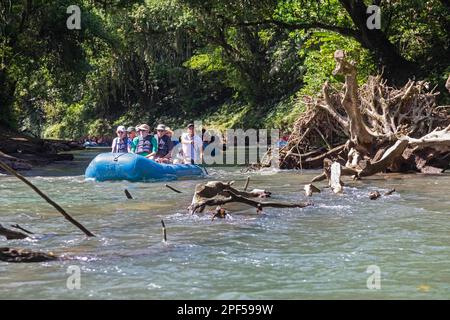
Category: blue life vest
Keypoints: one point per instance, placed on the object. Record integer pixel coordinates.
(121, 145)
(164, 145)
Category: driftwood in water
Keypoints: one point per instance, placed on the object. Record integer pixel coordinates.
(376, 194)
(46, 198)
(22, 255)
(20, 228)
(164, 231)
(334, 178)
(219, 213)
(247, 182)
(217, 193)
(11, 234)
(310, 189)
(370, 128)
(213, 189)
(173, 189)
(128, 194)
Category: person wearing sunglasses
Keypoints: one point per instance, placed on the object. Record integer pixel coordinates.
(144, 144)
(120, 143)
(131, 134)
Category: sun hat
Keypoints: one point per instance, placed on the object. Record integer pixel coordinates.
(161, 127)
(121, 129)
(144, 127)
(131, 129)
(169, 131)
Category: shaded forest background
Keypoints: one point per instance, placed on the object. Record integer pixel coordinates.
(235, 63)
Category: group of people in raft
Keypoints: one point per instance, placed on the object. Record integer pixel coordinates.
(158, 146)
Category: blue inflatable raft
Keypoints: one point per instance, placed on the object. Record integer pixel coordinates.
(133, 167)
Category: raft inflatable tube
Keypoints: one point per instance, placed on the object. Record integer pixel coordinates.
(133, 167)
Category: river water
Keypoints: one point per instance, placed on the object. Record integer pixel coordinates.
(323, 251)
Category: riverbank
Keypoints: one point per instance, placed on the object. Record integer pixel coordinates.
(22, 152)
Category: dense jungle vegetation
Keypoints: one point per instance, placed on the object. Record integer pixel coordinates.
(234, 63)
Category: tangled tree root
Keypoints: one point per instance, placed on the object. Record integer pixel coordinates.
(370, 129)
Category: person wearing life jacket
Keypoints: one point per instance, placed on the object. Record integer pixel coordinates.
(131, 134)
(144, 144)
(120, 143)
(170, 134)
(165, 145)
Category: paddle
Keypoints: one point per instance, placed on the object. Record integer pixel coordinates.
(204, 168)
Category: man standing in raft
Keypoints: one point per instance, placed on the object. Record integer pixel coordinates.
(192, 146)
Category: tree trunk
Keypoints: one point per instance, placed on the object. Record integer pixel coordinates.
(395, 66)
(359, 133)
(7, 89)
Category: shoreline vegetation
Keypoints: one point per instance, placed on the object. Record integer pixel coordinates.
(232, 64)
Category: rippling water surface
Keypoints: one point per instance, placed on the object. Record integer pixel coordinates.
(318, 252)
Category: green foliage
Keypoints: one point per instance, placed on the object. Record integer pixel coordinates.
(319, 62)
(209, 61)
(284, 113)
(234, 63)
(230, 115)
(73, 124)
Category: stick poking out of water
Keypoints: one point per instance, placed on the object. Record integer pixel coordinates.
(164, 231)
(8, 169)
(173, 189)
(11, 234)
(247, 182)
(20, 228)
(129, 196)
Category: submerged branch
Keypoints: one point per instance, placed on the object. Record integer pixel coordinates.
(11, 234)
